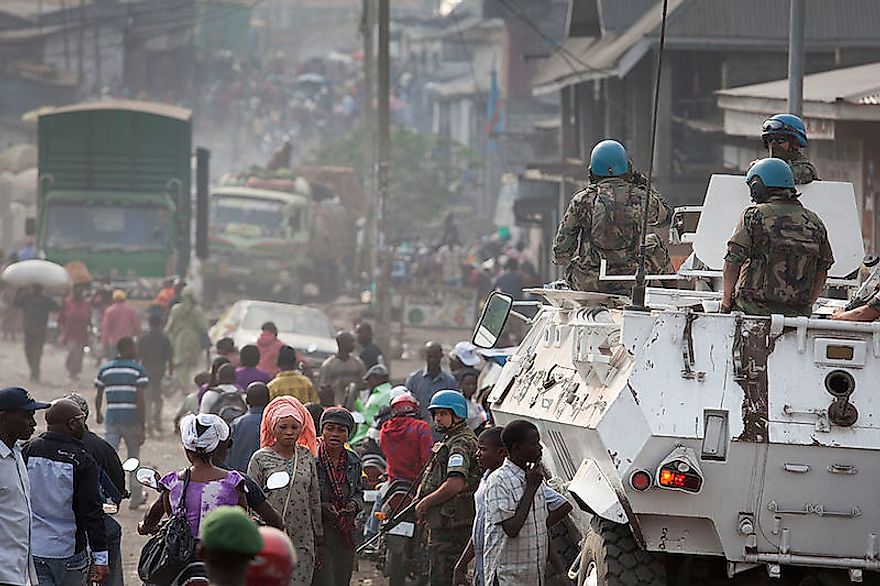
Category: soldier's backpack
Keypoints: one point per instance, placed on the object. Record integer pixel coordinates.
(229, 406)
(615, 220)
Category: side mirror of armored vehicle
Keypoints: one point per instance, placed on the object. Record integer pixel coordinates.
(492, 320)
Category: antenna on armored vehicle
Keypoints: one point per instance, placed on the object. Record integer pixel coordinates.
(638, 290)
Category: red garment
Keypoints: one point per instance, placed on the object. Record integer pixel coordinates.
(164, 297)
(120, 320)
(406, 443)
(74, 320)
(269, 346)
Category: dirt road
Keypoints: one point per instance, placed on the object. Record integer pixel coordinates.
(162, 453)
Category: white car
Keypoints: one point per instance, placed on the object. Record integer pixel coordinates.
(306, 329)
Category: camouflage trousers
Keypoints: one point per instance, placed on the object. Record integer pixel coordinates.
(585, 277)
(444, 548)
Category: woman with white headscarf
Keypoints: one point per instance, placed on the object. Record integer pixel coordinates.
(202, 486)
(288, 443)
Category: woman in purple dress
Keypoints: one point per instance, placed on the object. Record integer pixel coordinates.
(208, 486)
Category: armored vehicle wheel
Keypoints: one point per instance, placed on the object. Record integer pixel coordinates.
(611, 557)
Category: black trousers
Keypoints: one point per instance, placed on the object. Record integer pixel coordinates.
(33, 350)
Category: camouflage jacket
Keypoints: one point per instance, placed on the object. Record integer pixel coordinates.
(781, 247)
(456, 454)
(604, 221)
(801, 168)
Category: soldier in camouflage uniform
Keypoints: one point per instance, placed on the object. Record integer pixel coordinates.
(604, 221)
(446, 492)
(784, 136)
(779, 254)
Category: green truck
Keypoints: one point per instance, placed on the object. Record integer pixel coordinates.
(114, 189)
(276, 236)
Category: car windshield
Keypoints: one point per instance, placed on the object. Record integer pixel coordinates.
(301, 321)
(106, 227)
(248, 217)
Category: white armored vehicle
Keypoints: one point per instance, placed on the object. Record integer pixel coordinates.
(701, 447)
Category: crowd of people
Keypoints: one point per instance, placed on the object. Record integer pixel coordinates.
(261, 409)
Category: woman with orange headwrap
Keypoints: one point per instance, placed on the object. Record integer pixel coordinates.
(288, 443)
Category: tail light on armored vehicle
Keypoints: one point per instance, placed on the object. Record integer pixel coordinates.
(680, 471)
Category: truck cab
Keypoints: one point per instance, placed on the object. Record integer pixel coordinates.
(259, 238)
(114, 189)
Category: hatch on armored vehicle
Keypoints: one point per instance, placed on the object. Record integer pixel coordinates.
(709, 448)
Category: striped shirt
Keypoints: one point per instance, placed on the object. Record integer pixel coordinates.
(121, 380)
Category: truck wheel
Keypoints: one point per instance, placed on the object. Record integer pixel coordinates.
(611, 557)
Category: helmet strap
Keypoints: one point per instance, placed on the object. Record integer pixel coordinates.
(758, 191)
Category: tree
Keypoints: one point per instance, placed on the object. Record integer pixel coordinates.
(427, 172)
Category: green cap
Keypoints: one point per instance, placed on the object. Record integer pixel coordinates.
(230, 529)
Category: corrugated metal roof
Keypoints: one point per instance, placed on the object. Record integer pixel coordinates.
(155, 108)
(829, 23)
(854, 85)
(612, 54)
(706, 24)
(619, 15)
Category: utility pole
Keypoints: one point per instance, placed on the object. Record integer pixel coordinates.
(368, 29)
(797, 18)
(81, 48)
(383, 289)
(66, 40)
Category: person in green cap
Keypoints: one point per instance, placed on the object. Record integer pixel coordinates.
(379, 396)
(229, 539)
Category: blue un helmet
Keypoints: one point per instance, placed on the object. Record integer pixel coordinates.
(787, 125)
(608, 159)
(769, 173)
(452, 400)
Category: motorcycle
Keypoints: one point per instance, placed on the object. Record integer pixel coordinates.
(400, 552)
(194, 573)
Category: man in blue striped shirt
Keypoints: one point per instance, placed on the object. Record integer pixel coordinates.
(123, 380)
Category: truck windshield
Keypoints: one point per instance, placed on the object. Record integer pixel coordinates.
(105, 227)
(248, 217)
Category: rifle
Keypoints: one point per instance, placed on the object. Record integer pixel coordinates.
(398, 516)
(387, 526)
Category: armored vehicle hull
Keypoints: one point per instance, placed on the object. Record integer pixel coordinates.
(685, 435)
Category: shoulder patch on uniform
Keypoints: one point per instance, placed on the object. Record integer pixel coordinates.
(455, 460)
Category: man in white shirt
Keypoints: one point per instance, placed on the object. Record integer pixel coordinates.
(491, 454)
(17, 424)
(516, 539)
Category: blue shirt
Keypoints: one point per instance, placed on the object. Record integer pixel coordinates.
(245, 439)
(423, 386)
(553, 499)
(121, 380)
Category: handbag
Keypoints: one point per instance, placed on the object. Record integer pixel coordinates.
(168, 552)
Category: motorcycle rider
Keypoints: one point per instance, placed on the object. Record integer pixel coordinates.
(446, 492)
(405, 440)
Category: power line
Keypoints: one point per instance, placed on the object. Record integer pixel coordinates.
(567, 56)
